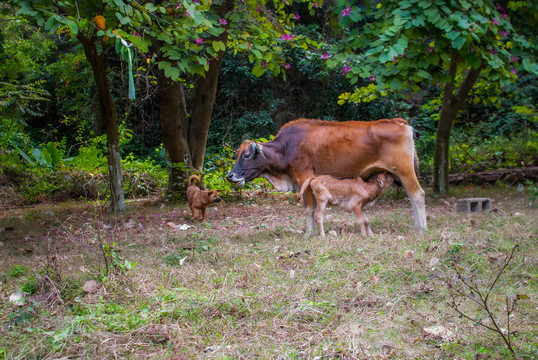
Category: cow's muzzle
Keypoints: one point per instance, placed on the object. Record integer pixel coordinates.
(235, 180)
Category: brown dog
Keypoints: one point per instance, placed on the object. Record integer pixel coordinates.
(200, 199)
(353, 194)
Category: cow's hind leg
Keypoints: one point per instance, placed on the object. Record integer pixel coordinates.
(417, 196)
(318, 216)
(309, 206)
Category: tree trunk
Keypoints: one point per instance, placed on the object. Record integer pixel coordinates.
(452, 104)
(185, 138)
(109, 118)
(204, 99)
(174, 125)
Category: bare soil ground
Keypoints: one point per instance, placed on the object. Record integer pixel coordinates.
(247, 284)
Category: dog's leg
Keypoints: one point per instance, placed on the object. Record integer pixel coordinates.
(193, 211)
(202, 214)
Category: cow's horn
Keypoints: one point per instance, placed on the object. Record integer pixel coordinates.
(255, 148)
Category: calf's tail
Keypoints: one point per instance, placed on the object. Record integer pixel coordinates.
(306, 184)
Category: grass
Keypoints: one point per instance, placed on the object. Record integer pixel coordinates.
(247, 285)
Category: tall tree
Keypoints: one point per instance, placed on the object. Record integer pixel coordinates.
(84, 20)
(190, 39)
(401, 45)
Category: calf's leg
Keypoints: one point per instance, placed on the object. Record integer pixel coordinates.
(357, 210)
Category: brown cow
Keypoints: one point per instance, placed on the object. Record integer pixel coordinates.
(304, 148)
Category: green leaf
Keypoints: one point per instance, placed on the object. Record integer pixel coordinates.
(72, 26)
(458, 43)
(257, 53)
(120, 5)
(258, 70)
(424, 74)
(50, 23)
(418, 21)
(172, 73)
(396, 84)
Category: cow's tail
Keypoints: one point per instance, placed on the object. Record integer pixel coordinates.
(306, 184)
(415, 159)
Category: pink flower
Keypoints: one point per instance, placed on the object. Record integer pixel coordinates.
(493, 51)
(325, 56)
(499, 7)
(372, 78)
(223, 21)
(504, 33)
(394, 59)
(297, 16)
(346, 11)
(345, 70)
(287, 66)
(137, 34)
(514, 71)
(263, 64)
(494, 21)
(178, 6)
(514, 58)
(187, 13)
(429, 50)
(287, 37)
(315, 5)
(199, 41)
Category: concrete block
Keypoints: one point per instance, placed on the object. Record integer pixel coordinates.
(473, 205)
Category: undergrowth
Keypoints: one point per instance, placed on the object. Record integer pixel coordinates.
(247, 284)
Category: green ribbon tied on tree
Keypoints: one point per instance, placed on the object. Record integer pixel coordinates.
(126, 51)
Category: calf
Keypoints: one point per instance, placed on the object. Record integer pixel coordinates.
(353, 194)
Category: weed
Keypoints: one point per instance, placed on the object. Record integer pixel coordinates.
(465, 286)
(17, 271)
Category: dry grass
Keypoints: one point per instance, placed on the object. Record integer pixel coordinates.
(248, 285)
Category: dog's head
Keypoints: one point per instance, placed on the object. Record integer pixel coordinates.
(213, 196)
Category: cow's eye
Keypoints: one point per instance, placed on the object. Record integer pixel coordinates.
(247, 156)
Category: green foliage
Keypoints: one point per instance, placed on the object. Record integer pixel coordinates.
(142, 177)
(30, 286)
(17, 271)
(411, 42)
(17, 101)
(470, 153)
(252, 124)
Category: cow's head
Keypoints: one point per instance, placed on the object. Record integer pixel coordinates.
(250, 163)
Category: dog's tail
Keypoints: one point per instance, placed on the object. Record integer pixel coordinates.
(306, 184)
(194, 178)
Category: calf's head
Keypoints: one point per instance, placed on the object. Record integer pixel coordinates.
(384, 180)
(250, 163)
